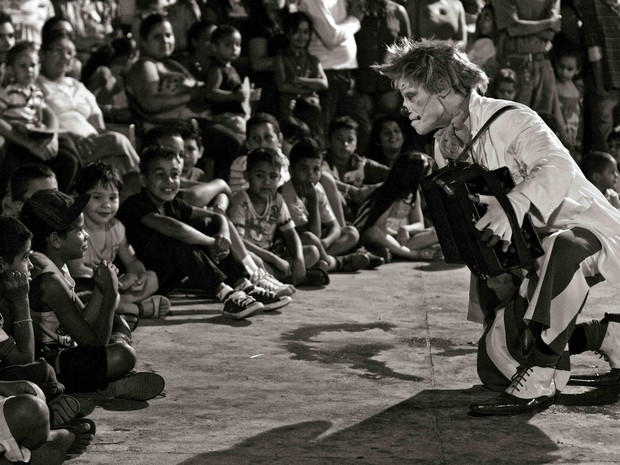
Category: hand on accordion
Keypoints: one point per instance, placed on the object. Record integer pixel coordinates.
(494, 223)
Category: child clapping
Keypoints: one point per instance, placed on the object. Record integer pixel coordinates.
(107, 240)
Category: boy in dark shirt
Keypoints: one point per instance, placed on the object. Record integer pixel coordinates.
(177, 240)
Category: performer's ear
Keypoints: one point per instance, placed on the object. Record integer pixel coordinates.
(444, 88)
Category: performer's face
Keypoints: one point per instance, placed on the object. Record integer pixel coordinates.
(426, 111)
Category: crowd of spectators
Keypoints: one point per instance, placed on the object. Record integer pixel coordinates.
(249, 148)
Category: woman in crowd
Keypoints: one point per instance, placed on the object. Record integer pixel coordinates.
(387, 139)
(161, 90)
(76, 107)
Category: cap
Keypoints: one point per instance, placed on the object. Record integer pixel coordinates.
(52, 210)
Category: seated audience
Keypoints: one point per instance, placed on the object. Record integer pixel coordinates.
(88, 347)
(107, 241)
(162, 91)
(179, 241)
(104, 75)
(313, 216)
(355, 176)
(223, 87)
(167, 136)
(387, 139)
(390, 221)
(259, 212)
(262, 131)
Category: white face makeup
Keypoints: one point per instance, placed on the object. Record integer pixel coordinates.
(426, 112)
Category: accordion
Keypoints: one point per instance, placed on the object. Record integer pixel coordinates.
(454, 216)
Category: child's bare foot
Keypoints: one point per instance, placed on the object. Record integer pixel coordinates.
(83, 431)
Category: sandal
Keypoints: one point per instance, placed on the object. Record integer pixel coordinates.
(135, 386)
(316, 276)
(155, 306)
(83, 436)
(131, 319)
(63, 409)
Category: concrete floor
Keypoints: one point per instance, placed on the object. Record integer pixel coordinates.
(376, 368)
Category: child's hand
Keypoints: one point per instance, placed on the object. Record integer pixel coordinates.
(255, 93)
(219, 249)
(14, 285)
(306, 191)
(298, 271)
(613, 197)
(105, 276)
(222, 243)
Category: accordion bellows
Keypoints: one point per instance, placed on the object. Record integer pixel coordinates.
(454, 216)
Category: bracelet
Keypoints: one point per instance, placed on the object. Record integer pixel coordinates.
(22, 321)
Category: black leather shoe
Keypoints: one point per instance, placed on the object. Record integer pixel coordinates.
(611, 378)
(507, 404)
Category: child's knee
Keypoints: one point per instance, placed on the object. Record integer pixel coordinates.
(309, 238)
(350, 235)
(373, 234)
(121, 359)
(152, 283)
(28, 419)
(311, 255)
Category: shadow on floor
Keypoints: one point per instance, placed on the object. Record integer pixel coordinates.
(431, 427)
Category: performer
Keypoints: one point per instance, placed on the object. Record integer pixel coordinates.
(530, 315)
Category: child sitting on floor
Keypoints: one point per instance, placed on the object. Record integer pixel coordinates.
(197, 187)
(262, 131)
(107, 241)
(215, 195)
(177, 240)
(259, 211)
(355, 176)
(314, 218)
(18, 368)
(390, 221)
(77, 339)
(17, 359)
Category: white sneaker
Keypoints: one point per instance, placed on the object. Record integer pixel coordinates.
(269, 299)
(263, 279)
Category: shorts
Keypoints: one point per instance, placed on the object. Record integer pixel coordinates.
(81, 368)
(39, 372)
